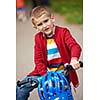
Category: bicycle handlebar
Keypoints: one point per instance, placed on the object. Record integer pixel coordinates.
(66, 70)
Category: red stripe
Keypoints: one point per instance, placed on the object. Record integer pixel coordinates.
(55, 61)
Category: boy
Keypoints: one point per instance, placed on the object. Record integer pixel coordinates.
(54, 49)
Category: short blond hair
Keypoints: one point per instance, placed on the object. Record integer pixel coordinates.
(39, 11)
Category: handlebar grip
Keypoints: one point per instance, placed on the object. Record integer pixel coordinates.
(81, 64)
(19, 83)
(69, 68)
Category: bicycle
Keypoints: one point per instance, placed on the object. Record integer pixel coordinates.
(53, 85)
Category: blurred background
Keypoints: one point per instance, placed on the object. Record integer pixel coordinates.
(71, 10)
(68, 13)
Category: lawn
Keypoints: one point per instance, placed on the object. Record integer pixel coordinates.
(72, 10)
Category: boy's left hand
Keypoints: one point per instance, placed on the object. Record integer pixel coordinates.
(75, 64)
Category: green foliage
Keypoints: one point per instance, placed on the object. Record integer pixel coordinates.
(72, 10)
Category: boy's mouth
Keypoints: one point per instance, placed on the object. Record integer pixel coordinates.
(46, 29)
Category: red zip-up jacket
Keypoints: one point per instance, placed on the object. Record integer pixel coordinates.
(67, 47)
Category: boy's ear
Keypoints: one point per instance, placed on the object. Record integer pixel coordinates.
(33, 24)
(53, 18)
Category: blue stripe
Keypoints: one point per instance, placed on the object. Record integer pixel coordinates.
(52, 51)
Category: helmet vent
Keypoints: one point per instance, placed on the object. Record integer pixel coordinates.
(40, 84)
(43, 95)
(53, 83)
(47, 87)
(59, 76)
(60, 86)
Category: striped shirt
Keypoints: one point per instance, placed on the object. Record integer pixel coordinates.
(53, 55)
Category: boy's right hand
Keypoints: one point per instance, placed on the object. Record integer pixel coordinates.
(75, 64)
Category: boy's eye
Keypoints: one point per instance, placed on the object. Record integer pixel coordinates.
(39, 24)
(46, 20)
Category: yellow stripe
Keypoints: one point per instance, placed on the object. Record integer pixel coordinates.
(56, 69)
(50, 41)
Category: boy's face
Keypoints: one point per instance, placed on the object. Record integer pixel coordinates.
(45, 24)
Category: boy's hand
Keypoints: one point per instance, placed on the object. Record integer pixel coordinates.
(75, 64)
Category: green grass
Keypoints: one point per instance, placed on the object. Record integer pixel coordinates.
(72, 10)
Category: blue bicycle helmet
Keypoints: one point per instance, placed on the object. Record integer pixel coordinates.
(54, 86)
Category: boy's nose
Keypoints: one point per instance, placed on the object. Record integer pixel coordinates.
(44, 25)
